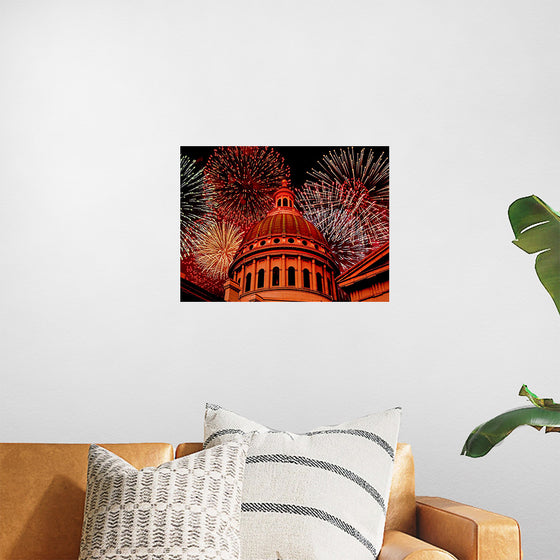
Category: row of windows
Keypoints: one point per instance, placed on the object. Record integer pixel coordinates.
(284, 202)
(290, 240)
(291, 279)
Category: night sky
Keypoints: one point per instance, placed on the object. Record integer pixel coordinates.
(300, 159)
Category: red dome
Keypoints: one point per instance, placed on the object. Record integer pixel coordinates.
(283, 258)
(280, 222)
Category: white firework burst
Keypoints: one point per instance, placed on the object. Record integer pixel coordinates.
(346, 166)
(195, 202)
(215, 246)
(352, 223)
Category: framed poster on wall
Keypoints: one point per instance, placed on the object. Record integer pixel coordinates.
(284, 223)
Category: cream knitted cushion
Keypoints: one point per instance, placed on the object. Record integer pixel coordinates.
(187, 509)
(321, 495)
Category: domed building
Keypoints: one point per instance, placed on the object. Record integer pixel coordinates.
(283, 258)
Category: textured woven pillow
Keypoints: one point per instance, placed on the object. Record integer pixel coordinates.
(187, 509)
(321, 495)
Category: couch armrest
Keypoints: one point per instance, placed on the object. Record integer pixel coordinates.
(401, 546)
(467, 532)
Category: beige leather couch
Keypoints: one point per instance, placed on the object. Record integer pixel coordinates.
(42, 491)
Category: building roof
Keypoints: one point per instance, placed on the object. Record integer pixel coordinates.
(280, 222)
(284, 220)
(373, 264)
(284, 233)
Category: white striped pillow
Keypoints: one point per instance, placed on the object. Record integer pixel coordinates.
(312, 496)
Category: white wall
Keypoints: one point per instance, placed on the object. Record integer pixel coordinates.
(96, 99)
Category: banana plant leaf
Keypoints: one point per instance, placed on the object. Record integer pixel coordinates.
(536, 227)
(544, 413)
(537, 401)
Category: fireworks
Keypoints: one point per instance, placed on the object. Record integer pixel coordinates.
(216, 245)
(364, 169)
(226, 190)
(244, 179)
(351, 222)
(347, 198)
(194, 203)
(194, 273)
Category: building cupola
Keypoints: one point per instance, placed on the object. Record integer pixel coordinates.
(284, 197)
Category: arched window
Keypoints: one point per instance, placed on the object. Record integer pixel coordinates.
(279, 202)
(319, 283)
(327, 281)
(285, 202)
(248, 282)
(306, 278)
(260, 278)
(276, 276)
(291, 276)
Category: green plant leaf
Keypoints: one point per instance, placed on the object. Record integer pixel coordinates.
(541, 403)
(543, 413)
(483, 438)
(536, 227)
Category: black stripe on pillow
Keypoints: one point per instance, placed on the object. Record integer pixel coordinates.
(221, 433)
(311, 512)
(360, 433)
(315, 463)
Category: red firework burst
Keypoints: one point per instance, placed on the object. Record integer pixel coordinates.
(243, 180)
(195, 274)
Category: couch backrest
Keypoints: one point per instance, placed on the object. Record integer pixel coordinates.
(401, 510)
(42, 493)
